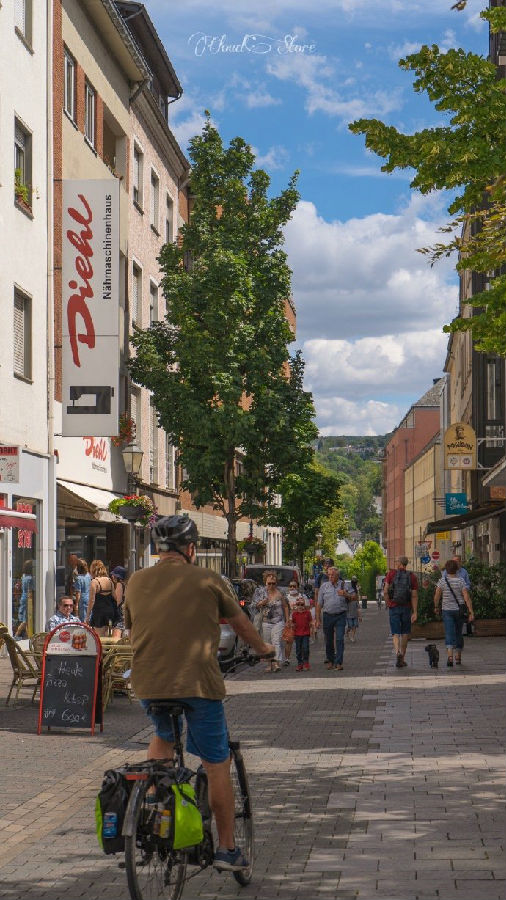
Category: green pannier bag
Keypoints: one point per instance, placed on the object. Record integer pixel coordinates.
(188, 829)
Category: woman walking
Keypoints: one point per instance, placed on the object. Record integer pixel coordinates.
(275, 616)
(103, 610)
(455, 597)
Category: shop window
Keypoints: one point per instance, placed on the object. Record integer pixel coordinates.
(24, 575)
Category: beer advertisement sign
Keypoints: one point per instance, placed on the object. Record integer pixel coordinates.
(90, 308)
(460, 447)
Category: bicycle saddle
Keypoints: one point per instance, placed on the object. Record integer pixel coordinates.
(172, 707)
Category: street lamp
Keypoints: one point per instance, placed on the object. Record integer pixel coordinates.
(132, 458)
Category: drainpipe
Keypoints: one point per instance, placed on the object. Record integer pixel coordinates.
(50, 587)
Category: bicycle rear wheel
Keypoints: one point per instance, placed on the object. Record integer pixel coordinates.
(152, 871)
(244, 829)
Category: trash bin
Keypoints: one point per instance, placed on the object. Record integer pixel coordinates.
(364, 602)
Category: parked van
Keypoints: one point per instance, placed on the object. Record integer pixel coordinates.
(285, 574)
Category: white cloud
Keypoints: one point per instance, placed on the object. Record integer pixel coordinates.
(341, 416)
(275, 158)
(260, 98)
(399, 51)
(317, 77)
(363, 277)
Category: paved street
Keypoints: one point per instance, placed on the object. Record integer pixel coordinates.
(372, 782)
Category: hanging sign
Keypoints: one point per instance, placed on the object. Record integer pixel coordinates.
(9, 464)
(456, 504)
(90, 308)
(460, 447)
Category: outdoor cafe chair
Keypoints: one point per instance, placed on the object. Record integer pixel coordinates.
(25, 670)
(116, 662)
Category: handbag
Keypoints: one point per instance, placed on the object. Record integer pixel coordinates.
(287, 633)
(463, 610)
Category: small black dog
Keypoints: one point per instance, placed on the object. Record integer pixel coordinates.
(433, 652)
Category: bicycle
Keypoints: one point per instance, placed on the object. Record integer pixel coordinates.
(153, 867)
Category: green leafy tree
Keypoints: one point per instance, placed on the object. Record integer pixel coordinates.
(466, 156)
(368, 562)
(218, 366)
(307, 497)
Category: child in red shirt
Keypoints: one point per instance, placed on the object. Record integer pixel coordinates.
(302, 627)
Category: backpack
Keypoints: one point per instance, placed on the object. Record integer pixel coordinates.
(399, 590)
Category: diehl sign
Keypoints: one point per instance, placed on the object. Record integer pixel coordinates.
(90, 308)
(460, 447)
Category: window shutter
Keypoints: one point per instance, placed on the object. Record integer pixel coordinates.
(19, 335)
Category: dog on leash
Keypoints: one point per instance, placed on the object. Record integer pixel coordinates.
(433, 652)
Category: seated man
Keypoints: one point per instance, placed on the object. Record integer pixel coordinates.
(62, 614)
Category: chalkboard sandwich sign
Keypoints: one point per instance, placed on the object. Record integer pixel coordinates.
(71, 680)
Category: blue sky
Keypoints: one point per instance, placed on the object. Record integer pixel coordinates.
(288, 76)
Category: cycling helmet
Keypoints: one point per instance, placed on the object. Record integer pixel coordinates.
(171, 532)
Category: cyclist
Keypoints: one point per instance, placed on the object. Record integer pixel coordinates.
(173, 612)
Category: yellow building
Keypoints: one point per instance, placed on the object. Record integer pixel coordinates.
(423, 496)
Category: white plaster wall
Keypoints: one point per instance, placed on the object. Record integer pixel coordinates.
(23, 245)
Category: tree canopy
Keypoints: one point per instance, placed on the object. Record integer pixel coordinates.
(223, 384)
(467, 157)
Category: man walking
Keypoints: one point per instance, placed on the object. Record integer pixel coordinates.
(322, 577)
(333, 604)
(401, 598)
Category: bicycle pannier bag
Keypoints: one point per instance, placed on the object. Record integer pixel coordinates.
(399, 590)
(110, 809)
(188, 829)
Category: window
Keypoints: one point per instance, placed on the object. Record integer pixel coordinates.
(136, 293)
(90, 102)
(170, 465)
(153, 303)
(137, 176)
(22, 335)
(22, 164)
(135, 413)
(169, 221)
(153, 445)
(69, 101)
(23, 18)
(155, 190)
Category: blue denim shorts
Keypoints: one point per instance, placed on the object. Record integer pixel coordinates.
(400, 619)
(352, 621)
(207, 733)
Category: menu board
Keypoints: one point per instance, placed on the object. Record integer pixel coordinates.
(70, 691)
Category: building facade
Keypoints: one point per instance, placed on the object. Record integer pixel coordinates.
(27, 476)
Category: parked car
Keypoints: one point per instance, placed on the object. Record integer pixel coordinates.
(285, 574)
(231, 645)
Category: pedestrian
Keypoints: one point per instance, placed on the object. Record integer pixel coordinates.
(322, 577)
(467, 627)
(401, 598)
(274, 617)
(353, 615)
(26, 595)
(292, 596)
(118, 578)
(332, 603)
(82, 588)
(64, 613)
(103, 610)
(453, 593)
(302, 628)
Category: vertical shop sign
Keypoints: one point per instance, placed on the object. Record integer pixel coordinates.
(90, 308)
(25, 537)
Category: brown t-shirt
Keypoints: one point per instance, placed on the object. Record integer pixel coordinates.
(173, 611)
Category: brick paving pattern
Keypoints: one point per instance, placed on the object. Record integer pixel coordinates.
(372, 782)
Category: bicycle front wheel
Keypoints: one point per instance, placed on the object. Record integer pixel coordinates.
(153, 871)
(244, 829)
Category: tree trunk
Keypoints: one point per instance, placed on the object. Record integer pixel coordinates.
(231, 516)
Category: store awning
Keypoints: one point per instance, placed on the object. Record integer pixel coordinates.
(11, 518)
(497, 476)
(80, 501)
(453, 523)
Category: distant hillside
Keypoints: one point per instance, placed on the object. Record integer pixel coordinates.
(357, 460)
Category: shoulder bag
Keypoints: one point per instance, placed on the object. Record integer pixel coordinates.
(463, 610)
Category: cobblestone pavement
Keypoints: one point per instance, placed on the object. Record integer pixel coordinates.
(372, 782)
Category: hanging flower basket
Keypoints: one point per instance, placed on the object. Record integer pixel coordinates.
(126, 433)
(253, 546)
(134, 507)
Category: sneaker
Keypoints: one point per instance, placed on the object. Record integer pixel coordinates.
(298, 668)
(399, 661)
(286, 662)
(230, 860)
(329, 665)
(307, 666)
(339, 668)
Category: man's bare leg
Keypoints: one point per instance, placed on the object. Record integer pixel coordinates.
(160, 749)
(221, 801)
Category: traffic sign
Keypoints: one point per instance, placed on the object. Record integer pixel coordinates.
(425, 560)
(435, 554)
